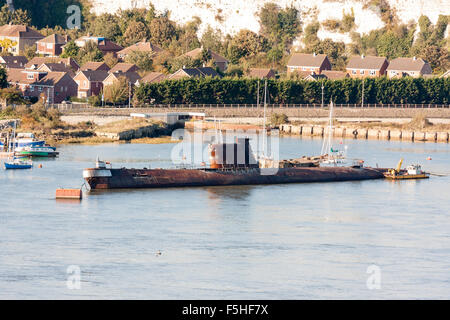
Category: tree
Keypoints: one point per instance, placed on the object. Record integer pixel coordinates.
(30, 52)
(19, 16)
(438, 57)
(184, 62)
(162, 31)
(90, 52)
(48, 13)
(247, 43)
(110, 59)
(279, 26)
(142, 59)
(7, 44)
(136, 31)
(105, 25)
(71, 50)
(212, 39)
(117, 93)
(3, 78)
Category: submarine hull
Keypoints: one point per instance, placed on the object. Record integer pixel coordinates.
(166, 178)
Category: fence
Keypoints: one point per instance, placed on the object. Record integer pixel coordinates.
(86, 107)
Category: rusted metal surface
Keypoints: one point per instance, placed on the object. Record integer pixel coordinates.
(164, 178)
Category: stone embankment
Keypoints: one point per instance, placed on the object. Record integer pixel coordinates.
(366, 133)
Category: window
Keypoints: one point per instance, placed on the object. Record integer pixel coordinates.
(304, 69)
(85, 84)
(30, 76)
(49, 45)
(40, 89)
(31, 88)
(361, 71)
(373, 72)
(353, 71)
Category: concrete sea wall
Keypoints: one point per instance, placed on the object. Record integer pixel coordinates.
(364, 133)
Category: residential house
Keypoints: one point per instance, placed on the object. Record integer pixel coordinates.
(261, 73)
(13, 62)
(95, 66)
(124, 67)
(370, 66)
(153, 77)
(36, 62)
(90, 82)
(103, 44)
(194, 72)
(21, 36)
(56, 67)
(335, 75)
(219, 61)
(51, 46)
(54, 86)
(305, 62)
(132, 77)
(143, 46)
(413, 67)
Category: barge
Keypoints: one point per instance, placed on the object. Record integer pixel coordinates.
(224, 171)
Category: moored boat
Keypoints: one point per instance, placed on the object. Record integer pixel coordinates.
(19, 163)
(38, 152)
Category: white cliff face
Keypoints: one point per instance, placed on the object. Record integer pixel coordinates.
(230, 16)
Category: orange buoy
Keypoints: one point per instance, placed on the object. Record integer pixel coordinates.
(40, 166)
(69, 194)
(429, 158)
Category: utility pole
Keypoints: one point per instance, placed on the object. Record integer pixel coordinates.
(129, 94)
(322, 93)
(257, 96)
(362, 97)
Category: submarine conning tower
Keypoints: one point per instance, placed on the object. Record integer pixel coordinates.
(232, 155)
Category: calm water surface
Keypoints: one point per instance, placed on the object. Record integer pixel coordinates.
(296, 241)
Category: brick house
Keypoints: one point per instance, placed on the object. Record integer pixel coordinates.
(261, 73)
(51, 46)
(132, 77)
(103, 44)
(13, 62)
(56, 86)
(153, 77)
(194, 72)
(23, 36)
(367, 67)
(124, 67)
(94, 66)
(304, 62)
(36, 62)
(90, 82)
(219, 61)
(143, 46)
(413, 67)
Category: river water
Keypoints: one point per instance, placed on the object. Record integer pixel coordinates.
(342, 240)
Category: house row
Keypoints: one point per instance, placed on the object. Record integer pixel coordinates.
(359, 66)
(54, 45)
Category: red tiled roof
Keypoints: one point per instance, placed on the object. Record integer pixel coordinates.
(195, 54)
(19, 31)
(143, 46)
(307, 60)
(369, 62)
(54, 38)
(124, 67)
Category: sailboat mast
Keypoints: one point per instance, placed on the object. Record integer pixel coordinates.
(265, 104)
